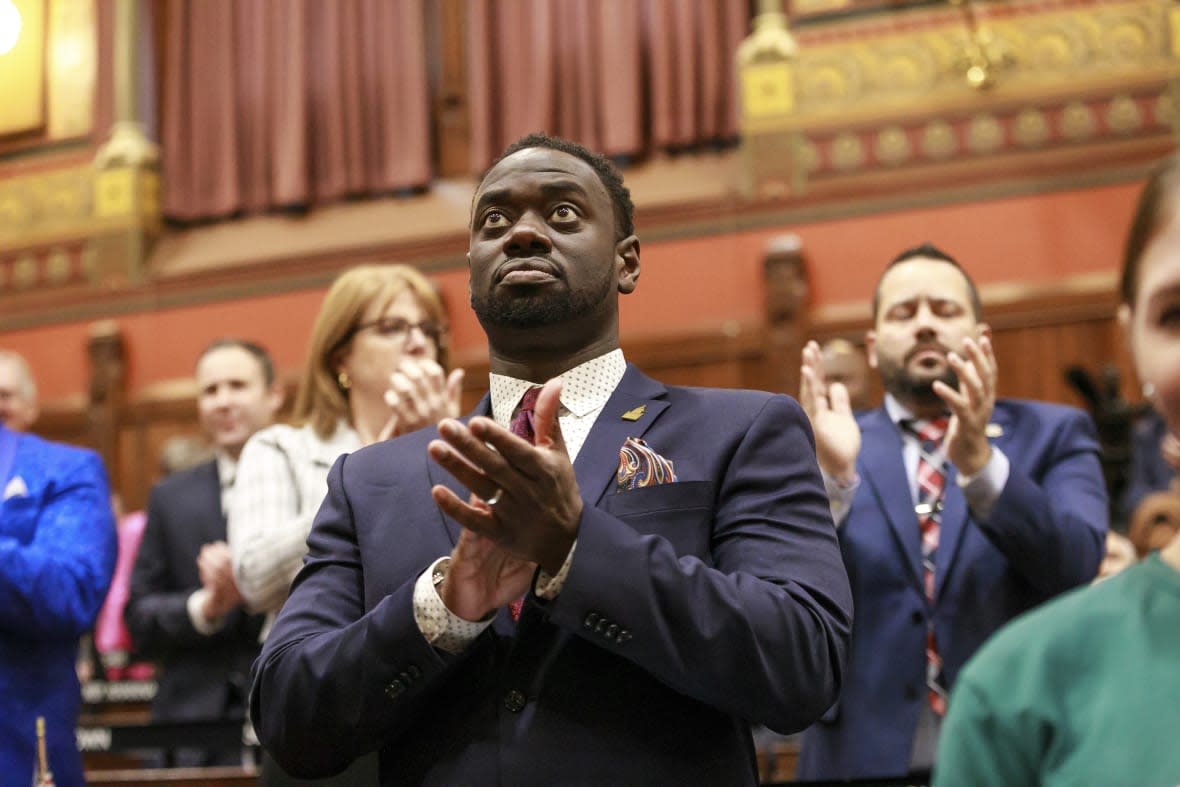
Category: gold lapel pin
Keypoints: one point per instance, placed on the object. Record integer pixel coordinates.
(635, 413)
(993, 430)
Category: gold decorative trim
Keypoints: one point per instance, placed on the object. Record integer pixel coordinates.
(850, 68)
(985, 134)
(892, 146)
(1031, 128)
(1123, 115)
(73, 67)
(847, 152)
(1164, 109)
(1077, 121)
(809, 156)
(939, 140)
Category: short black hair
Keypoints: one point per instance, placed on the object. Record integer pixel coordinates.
(928, 250)
(607, 172)
(257, 350)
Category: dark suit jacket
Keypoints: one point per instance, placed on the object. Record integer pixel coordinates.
(690, 610)
(203, 677)
(1045, 535)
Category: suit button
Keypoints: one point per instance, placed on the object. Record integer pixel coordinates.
(601, 626)
(911, 692)
(624, 635)
(612, 631)
(918, 617)
(591, 620)
(394, 689)
(514, 701)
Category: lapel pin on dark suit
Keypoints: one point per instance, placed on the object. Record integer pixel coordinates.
(635, 413)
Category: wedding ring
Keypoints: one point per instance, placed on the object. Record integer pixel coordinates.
(495, 498)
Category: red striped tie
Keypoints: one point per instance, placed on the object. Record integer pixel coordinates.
(931, 484)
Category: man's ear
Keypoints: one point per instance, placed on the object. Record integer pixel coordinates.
(275, 397)
(871, 348)
(469, 277)
(627, 263)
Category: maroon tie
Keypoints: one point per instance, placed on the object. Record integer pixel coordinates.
(521, 425)
(931, 483)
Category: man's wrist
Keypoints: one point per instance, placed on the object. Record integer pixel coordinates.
(556, 555)
(447, 593)
(973, 467)
(197, 605)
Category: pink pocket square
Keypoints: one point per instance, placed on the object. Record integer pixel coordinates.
(640, 466)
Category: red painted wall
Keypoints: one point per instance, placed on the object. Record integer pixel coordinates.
(684, 283)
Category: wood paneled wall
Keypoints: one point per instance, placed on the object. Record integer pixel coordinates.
(1038, 331)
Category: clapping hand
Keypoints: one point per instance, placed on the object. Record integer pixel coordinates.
(216, 572)
(837, 435)
(537, 504)
(971, 406)
(420, 394)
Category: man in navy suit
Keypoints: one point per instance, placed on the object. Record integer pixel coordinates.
(672, 547)
(57, 555)
(1016, 515)
(184, 609)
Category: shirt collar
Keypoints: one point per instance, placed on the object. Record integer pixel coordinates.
(898, 412)
(585, 388)
(227, 469)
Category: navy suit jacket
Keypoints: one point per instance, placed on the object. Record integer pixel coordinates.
(57, 555)
(1044, 536)
(690, 610)
(204, 677)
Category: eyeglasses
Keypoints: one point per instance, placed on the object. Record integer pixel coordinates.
(400, 328)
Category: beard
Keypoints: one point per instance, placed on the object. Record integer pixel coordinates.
(542, 308)
(906, 386)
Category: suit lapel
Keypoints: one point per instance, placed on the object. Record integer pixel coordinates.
(598, 460)
(954, 518)
(884, 469)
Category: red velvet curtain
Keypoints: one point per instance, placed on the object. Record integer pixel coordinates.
(279, 103)
(620, 76)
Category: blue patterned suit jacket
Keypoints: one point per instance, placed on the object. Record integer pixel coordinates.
(57, 555)
(691, 608)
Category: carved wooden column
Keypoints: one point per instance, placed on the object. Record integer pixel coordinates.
(108, 381)
(787, 295)
(767, 84)
(126, 177)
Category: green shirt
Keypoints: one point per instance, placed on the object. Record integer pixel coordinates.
(1082, 691)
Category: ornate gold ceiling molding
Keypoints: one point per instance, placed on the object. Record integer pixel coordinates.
(853, 70)
(892, 90)
(73, 226)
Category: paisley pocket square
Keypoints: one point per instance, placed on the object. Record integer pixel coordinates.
(640, 466)
(16, 488)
